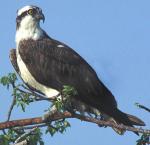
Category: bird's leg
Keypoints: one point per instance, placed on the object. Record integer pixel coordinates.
(62, 104)
(68, 104)
(70, 109)
(102, 118)
(49, 113)
(57, 106)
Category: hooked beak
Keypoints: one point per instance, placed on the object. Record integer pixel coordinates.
(40, 16)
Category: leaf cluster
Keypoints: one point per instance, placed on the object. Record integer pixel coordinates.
(57, 126)
(8, 80)
(144, 140)
(23, 98)
(12, 134)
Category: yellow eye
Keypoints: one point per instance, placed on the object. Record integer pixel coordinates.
(30, 12)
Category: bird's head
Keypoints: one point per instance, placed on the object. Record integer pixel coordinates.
(29, 15)
(28, 23)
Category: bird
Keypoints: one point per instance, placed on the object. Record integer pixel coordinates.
(46, 65)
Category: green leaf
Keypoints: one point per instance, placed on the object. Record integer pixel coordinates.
(22, 99)
(50, 130)
(67, 124)
(8, 80)
(36, 138)
(41, 142)
(145, 138)
(59, 104)
(4, 140)
(69, 91)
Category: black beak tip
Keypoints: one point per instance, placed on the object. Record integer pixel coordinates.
(40, 16)
(43, 19)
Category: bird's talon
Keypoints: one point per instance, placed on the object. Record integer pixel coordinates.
(48, 114)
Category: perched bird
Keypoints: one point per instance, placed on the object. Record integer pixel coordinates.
(46, 65)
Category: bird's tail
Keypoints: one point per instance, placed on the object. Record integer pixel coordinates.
(126, 119)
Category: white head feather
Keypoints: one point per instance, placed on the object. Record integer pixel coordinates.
(29, 27)
(25, 8)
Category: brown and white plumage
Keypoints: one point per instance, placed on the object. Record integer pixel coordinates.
(47, 65)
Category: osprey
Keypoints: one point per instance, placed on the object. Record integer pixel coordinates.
(46, 65)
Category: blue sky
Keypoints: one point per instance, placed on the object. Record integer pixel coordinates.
(113, 36)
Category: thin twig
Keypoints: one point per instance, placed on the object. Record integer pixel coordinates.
(142, 107)
(37, 96)
(31, 94)
(12, 104)
(33, 126)
(25, 135)
(11, 108)
(34, 93)
(4, 132)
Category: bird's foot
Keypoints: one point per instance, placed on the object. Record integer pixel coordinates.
(103, 119)
(49, 113)
(70, 109)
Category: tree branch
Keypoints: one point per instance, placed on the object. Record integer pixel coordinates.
(58, 115)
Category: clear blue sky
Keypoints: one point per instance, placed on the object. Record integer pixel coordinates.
(113, 36)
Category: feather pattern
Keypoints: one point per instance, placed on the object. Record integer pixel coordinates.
(56, 66)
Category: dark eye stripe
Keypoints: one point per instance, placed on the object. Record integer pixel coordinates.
(26, 13)
(23, 15)
(20, 17)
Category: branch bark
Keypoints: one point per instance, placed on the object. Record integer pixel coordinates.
(22, 143)
(58, 115)
(24, 135)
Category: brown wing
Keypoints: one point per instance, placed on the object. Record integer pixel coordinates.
(13, 59)
(55, 67)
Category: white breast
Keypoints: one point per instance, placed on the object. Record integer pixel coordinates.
(30, 80)
(30, 29)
